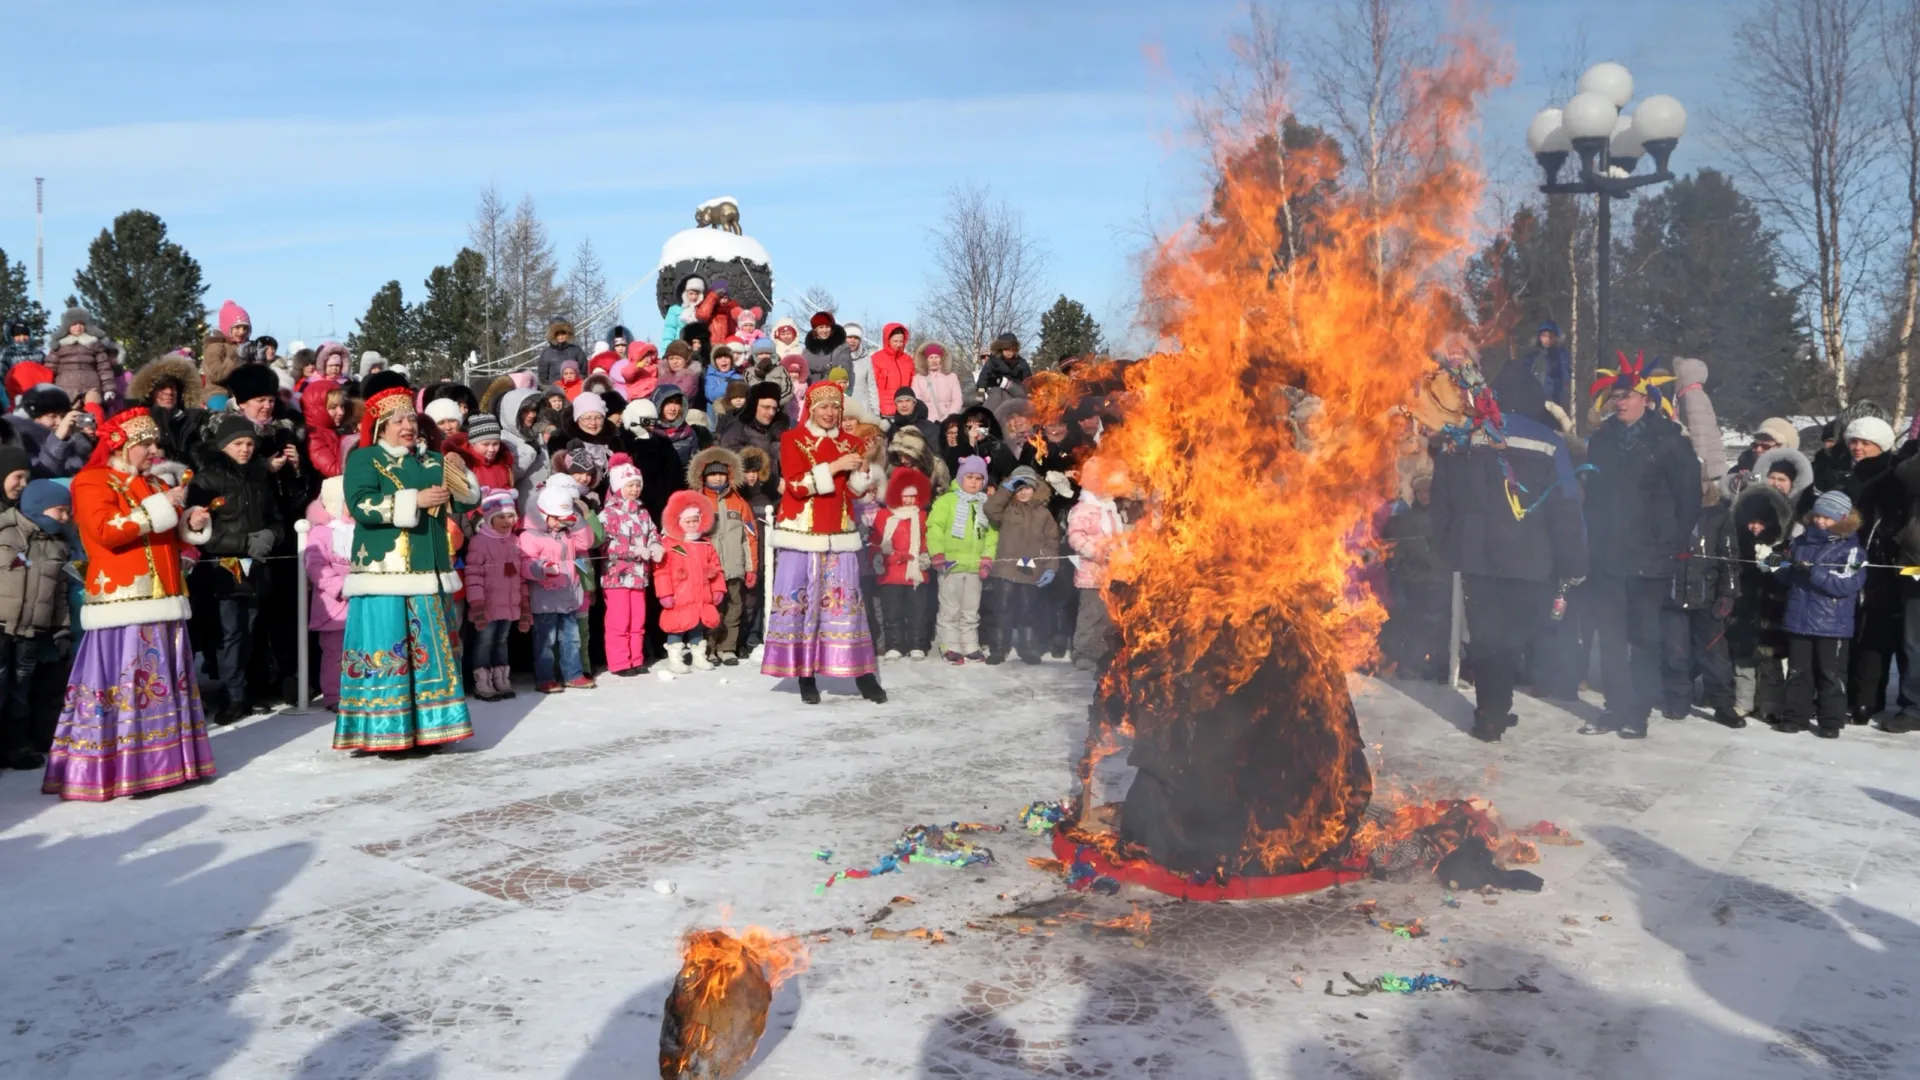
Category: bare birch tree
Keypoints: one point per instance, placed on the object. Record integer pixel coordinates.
(1361, 73)
(814, 298)
(1809, 135)
(488, 236)
(588, 300)
(1900, 51)
(527, 272)
(985, 277)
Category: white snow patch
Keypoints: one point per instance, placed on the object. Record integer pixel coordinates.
(717, 200)
(713, 244)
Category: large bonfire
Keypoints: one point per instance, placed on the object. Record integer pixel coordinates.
(1233, 599)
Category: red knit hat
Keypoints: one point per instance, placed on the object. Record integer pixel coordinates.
(820, 319)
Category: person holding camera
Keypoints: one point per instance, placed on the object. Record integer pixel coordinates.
(58, 436)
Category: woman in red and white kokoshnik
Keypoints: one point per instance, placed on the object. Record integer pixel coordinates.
(132, 720)
(818, 622)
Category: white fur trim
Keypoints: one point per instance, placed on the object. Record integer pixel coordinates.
(820, 478)
(196, 538)
(406, 509)
(417, 583)
(161, 516)
(102, 616)
(791, 540)
(860, 482)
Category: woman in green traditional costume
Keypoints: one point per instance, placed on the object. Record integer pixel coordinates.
(400, 672)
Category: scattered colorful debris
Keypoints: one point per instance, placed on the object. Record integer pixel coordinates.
(1043, 816)
(1390, 983)
(1046, 866)
(824, 854)
(919, 933)
(925, 844)
(1415, 929)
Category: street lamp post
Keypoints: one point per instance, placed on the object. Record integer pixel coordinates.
(1609, 146)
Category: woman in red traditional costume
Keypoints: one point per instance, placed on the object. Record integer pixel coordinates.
(132, 720)
(818, 623)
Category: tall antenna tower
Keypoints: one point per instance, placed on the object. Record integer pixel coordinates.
(40, 241)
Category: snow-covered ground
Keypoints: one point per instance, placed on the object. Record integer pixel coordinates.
(1743, 904)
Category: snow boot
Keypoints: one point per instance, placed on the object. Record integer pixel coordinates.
(483, 685)
(677, 658)
(503, 681)
(700, 661)
(870, 688)
(809, 690)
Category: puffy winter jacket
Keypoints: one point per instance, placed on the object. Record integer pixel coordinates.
(633, 543)
(898, 541)
(1092, 525)
(496, 590)
(999, 373)
(941, 392)
(549, 564)
(327, 569)
(1473, 524)
(978, 538)
(1709, 573)
(247, 504)
(1028, 533)
(81, 364)
(33, 581)
(891, 370)
(1826, 580)
(689, 582)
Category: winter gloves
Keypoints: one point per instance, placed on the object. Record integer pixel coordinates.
(260, 544)
(1046, 579)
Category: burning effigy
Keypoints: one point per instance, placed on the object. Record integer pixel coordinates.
(717, 1009)
(1300, 317)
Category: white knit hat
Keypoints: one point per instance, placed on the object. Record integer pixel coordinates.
(1874, 430)
(443, 409)
(556, 500)
(621, 471)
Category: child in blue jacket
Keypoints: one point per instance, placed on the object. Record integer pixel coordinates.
(1822, 590)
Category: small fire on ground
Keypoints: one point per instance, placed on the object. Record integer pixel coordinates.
(717, 1009)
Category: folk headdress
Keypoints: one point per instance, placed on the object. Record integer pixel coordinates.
(387, 396)
(1631, 376)
(123, 430)
(824, 393)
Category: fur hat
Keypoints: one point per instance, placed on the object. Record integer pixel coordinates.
(904, 479)
(620, 469)
(679, 503)
(1780, 430)
(1874, 430)
(442, 409)
(638, 415)
(1005, 341)
(710, 459)
(333, 497)
(45, 400)
(697, 418)
(679, 348)
(1011, 408)
(250, 381)
(1833, 504)
(754, 459)
(588, 404)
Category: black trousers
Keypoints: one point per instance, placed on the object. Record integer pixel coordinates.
(904, 607)
(19, 656)
(1626, 614)
(1696, 642)
(1910, 648)
(1014, 607)
(1817, 680)
(1877, 639)
(1503, 614)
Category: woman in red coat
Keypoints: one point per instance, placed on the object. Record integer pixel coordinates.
(690, 582)
(892, 368)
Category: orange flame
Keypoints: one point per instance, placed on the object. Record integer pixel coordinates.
(720, 957)
(1247, 553)
(711, 1032)
(1140, 922)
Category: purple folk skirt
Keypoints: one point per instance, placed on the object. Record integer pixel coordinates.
(818, 624)
(132, 720)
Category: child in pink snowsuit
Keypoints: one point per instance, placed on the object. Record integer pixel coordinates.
(496, 594)
(633, 543)
(328, 557)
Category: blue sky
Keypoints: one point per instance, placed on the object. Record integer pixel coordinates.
(307, 154)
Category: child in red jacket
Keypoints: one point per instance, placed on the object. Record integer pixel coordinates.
(689, 582)
(900, 562)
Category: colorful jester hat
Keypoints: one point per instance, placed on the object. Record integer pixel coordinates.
(1632, 377)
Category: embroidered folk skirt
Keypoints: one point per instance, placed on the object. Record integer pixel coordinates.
(132, 720)
(399, 676)
(818, 624)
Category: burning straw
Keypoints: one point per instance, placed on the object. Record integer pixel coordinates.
(717, 1009)
(1302, 316)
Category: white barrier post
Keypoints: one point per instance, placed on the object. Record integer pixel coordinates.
(766, 571)
(302, 659)
(1456, 622)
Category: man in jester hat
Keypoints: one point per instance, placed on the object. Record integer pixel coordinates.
(400, 677)
(1643, 495)
(1506, 514)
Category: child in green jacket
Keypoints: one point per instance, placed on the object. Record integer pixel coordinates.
(962, 544)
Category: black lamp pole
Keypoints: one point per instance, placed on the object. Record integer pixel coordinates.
(1591, 182)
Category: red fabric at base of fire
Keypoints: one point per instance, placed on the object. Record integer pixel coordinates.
(1162, 880)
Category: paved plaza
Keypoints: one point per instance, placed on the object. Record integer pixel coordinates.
(1742, 904)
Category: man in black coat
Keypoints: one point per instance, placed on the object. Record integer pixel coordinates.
(1506, 515)
(247, 526)
(1642, 498)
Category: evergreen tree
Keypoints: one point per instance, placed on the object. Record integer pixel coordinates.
(1065, 330)
(1699, 275)
(389, 328)
(460, 310)
(17, 303)
(143, 288)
